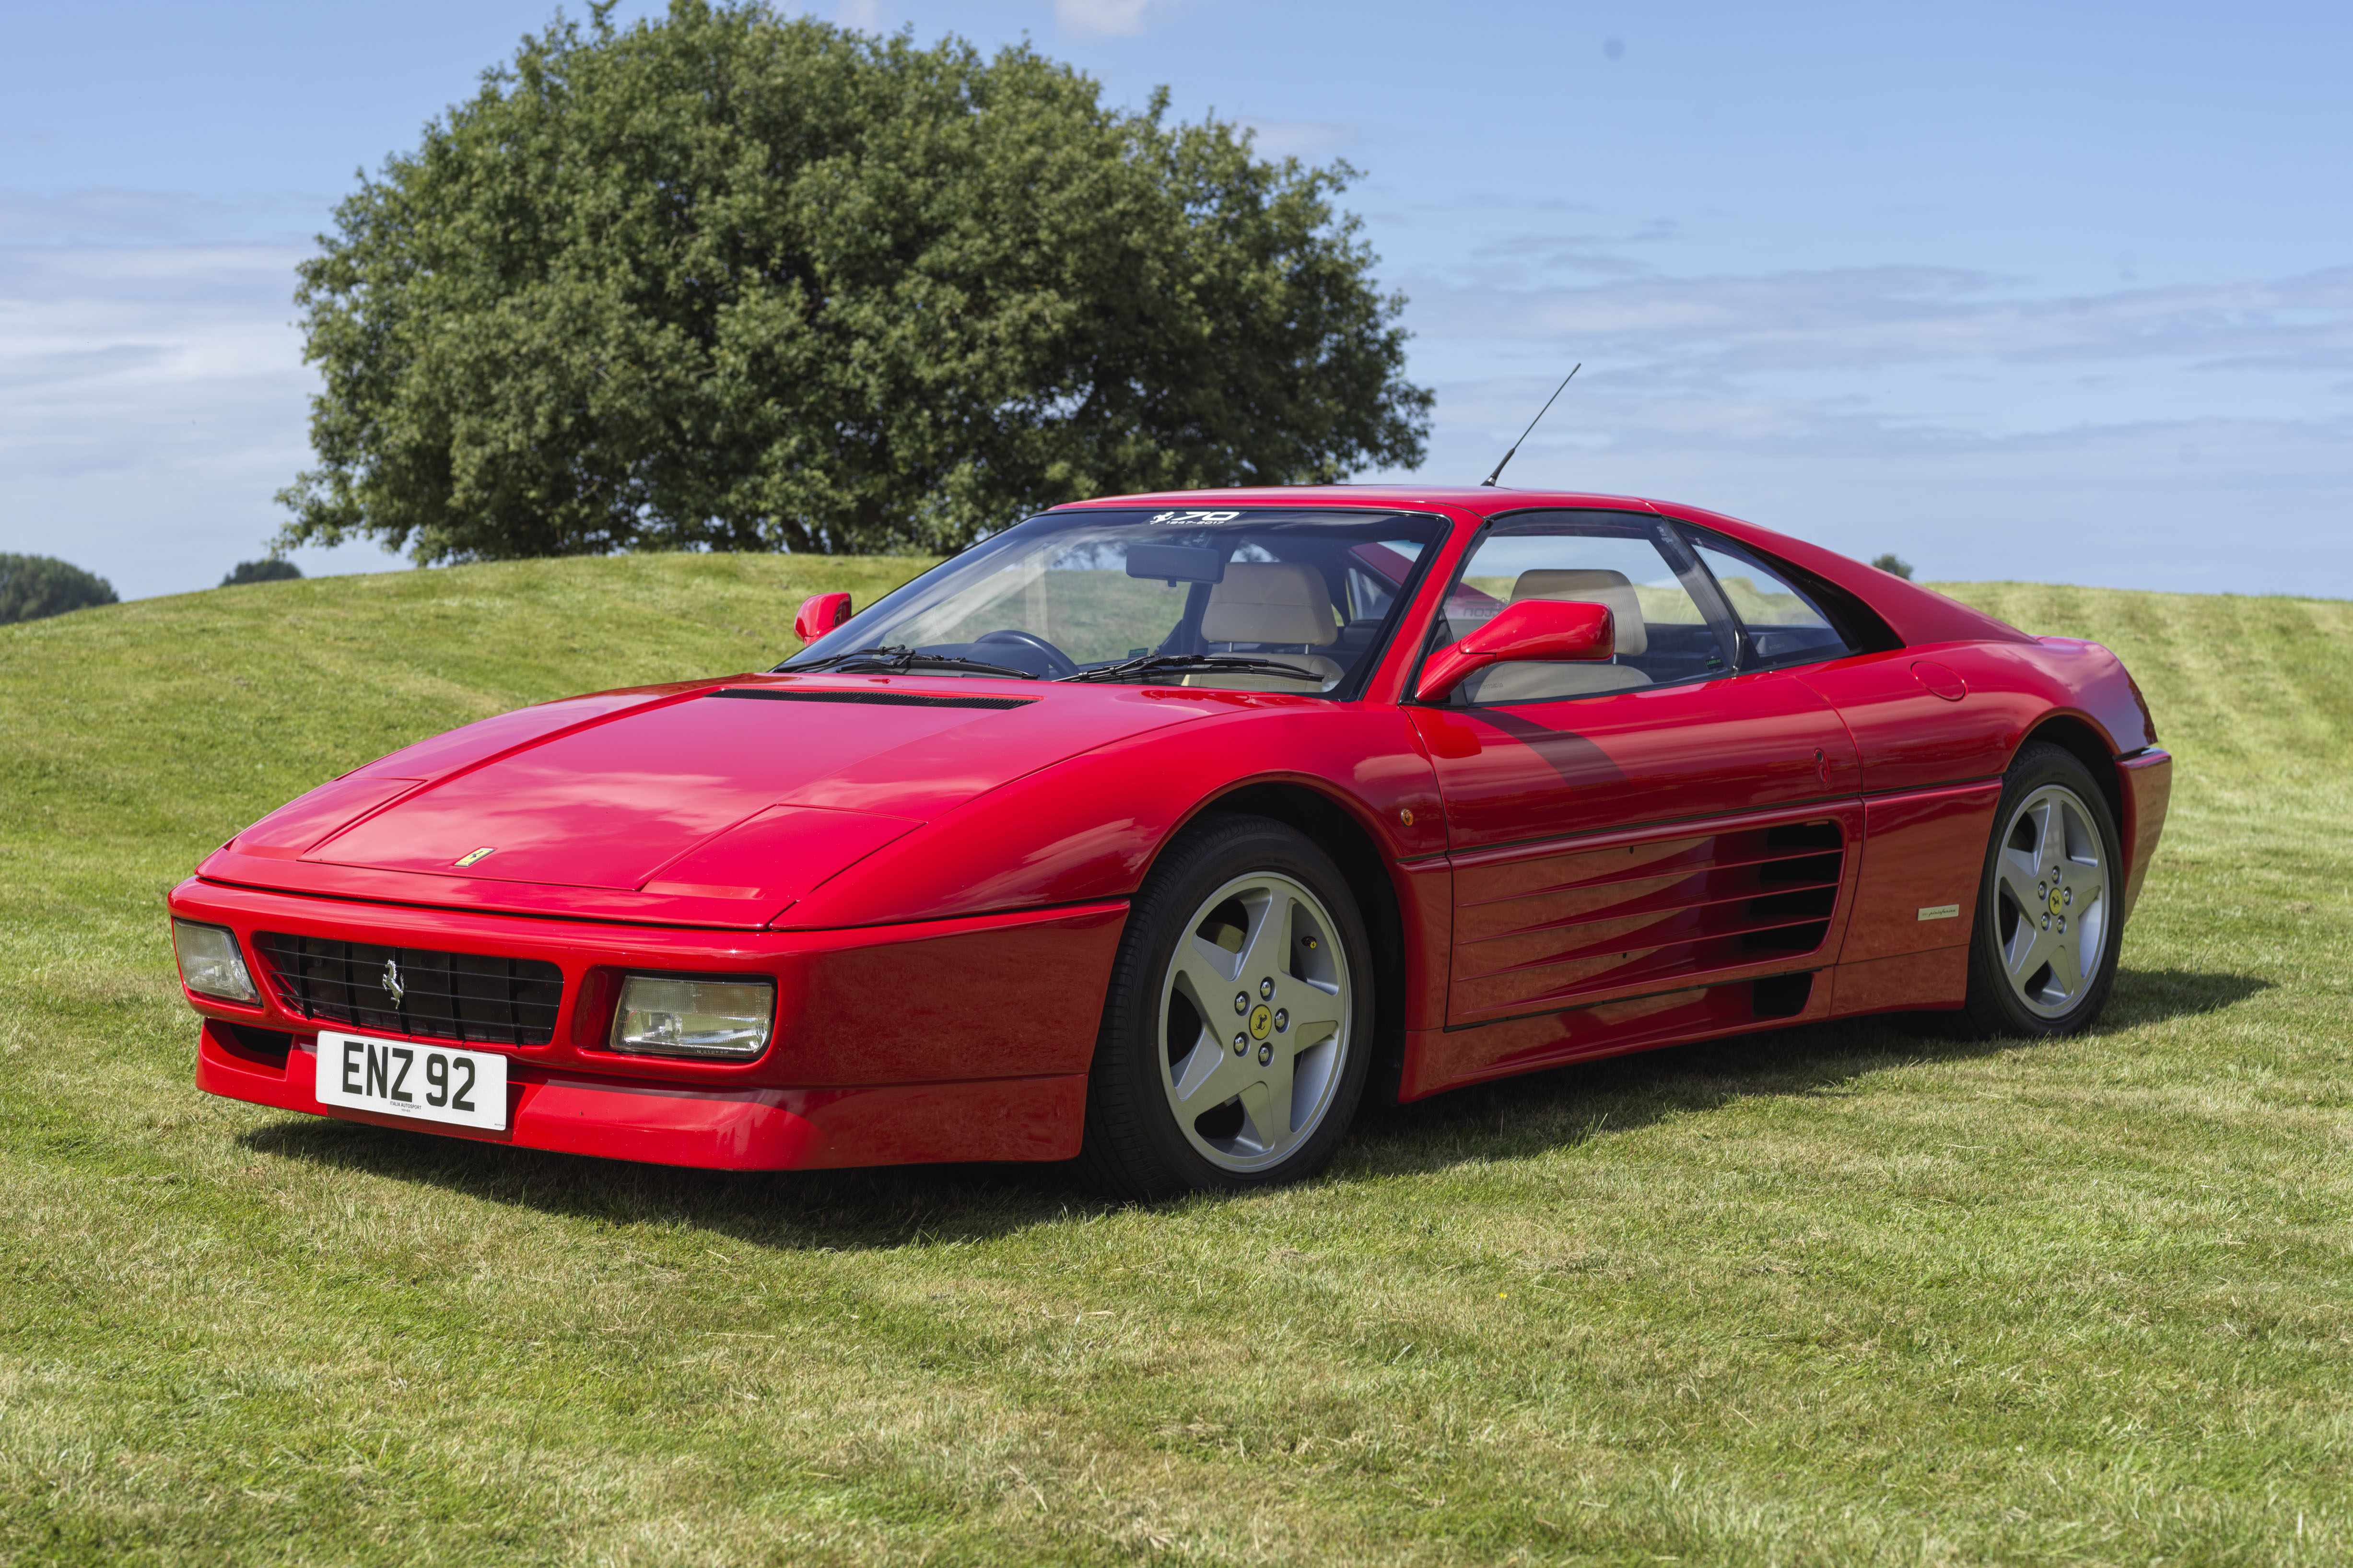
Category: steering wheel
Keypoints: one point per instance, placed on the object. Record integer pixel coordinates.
(1058, 663)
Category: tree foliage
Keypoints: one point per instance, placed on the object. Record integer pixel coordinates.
(32, 586)
(269, 569)
(1891, 561)
(735, 280)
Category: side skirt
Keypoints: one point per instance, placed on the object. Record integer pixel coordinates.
(1437, 1061)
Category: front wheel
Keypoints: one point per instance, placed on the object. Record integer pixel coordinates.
(2042, 954)
(1237, 1032)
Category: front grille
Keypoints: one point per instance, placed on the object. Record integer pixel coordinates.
(443, 995)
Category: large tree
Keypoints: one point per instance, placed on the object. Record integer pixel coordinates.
(742, 281)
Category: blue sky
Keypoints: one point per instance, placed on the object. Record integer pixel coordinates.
(2054, 293)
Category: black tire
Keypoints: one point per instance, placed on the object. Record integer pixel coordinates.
(1997, 1005)
(1134, 1148)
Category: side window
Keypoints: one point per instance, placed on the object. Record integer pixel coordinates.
(1634, 564)
(1777, 623)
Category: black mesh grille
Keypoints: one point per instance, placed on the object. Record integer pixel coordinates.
(442, 995)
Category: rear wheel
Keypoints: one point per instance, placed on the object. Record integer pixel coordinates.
(2042, 955)
(1238, 1025)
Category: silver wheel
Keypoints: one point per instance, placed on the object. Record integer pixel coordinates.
(1254, 1021)
(2050, 907)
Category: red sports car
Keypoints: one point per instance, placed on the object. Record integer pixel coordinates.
(1158, 831)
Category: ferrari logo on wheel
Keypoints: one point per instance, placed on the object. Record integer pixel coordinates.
(1262, 1020)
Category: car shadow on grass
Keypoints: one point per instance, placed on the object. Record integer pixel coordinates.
(851, 1210)
(897, 1205)
(1568, 1105)
(2153, 995)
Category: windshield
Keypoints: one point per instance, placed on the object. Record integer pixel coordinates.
(1259, 600)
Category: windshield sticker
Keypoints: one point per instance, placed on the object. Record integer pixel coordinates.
(1179, 518)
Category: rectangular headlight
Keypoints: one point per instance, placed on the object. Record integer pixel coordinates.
(210, 965)
(661, 1016)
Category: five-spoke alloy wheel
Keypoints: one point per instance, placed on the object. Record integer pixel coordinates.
(1235, 1037)
(2044, 950)
(1247, 1080)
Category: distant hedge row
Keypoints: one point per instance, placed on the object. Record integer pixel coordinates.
(32, 586)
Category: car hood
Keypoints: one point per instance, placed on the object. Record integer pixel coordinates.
(671, 803)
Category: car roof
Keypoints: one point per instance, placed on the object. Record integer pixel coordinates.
(1481, 500)
(1917, 616)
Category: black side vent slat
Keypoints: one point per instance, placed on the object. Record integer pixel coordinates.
(874, 698)
(470, 997)
(1811, 852)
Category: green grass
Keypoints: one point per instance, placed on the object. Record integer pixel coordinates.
(1838, 1295)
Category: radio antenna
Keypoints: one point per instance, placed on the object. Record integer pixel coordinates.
(1515, 452)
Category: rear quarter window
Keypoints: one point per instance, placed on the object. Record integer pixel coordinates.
(1778, 623)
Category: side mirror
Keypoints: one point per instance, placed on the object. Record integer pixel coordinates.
(820, 613)
(1553, 630)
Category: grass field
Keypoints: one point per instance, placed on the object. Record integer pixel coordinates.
(1850, 1294)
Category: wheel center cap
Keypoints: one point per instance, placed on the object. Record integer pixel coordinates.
(1262, 1019)
(2055, 900)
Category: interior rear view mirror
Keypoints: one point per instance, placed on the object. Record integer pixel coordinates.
(1176, 562)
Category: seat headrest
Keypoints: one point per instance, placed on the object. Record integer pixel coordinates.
(1271, 602)
(1591, 586)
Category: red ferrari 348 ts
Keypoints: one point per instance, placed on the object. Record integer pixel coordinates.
(1158, 831)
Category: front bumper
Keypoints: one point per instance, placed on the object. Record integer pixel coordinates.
(949, 1040)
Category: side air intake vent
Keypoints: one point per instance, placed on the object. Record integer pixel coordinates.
(1534, 934)
(1780, 996)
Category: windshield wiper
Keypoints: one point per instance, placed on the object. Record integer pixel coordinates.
(1153, 664)
(900, 656)
(831, 660)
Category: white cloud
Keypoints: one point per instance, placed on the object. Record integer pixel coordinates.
(1103, 18)
(1295, 138)
(2141, 437)
(122, 216)
(2204, 505)
(152, 398)
(1878, 316)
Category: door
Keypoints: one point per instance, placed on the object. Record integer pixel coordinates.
(1675, 817)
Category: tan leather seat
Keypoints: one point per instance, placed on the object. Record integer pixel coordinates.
(1283, 603)
(1538, 681)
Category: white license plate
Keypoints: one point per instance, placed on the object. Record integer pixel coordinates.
(403, 1078)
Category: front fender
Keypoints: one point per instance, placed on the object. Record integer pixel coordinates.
(1088, 827)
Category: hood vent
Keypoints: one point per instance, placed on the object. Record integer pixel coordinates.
(873, 699)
